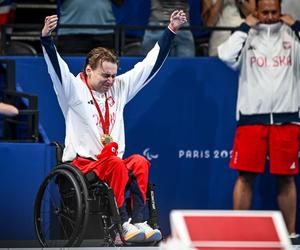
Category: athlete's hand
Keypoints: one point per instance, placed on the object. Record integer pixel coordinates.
(50, 25)
(251, 20)
(287, 19)
(177, 19)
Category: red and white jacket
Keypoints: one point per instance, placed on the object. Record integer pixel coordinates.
(83, 126)
(268, 57)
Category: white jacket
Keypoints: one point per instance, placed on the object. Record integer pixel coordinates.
(83, 129)
(268, 57)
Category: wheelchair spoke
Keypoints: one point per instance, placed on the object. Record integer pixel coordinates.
(63, 227)
(58, 209)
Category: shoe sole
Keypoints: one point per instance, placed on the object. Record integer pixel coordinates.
(139, 237)
(153, 237)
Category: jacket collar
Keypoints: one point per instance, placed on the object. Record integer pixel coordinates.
(269, 28)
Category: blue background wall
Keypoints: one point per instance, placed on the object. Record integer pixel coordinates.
(183, 121)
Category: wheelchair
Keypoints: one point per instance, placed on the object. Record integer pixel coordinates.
(69, 204)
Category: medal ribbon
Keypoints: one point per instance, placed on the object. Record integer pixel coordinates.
(104, 122)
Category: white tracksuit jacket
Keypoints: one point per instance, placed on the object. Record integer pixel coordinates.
(83, 126)
(268, 57)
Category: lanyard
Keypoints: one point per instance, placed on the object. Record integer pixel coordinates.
(104, 121)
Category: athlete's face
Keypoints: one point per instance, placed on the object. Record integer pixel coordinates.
(268, 11)
(102, 78)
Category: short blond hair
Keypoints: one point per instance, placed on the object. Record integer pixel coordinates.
(99, 55)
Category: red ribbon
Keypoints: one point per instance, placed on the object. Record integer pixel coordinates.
(104, 122)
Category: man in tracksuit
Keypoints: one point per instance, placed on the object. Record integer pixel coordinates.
(266, 50)
(92, 104)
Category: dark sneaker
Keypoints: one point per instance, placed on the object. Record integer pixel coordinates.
(295, 238)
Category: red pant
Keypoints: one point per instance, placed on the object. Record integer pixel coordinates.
(114, 171)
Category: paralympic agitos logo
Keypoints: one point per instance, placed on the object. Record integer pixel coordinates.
(149, 155)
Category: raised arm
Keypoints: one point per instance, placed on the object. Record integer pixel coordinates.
(57, 68)
(145, 70)
(47, 42)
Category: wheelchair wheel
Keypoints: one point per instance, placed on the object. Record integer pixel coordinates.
(58, 210)
(85, 200)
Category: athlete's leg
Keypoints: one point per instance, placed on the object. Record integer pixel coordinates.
(139, 168)
(113, 171)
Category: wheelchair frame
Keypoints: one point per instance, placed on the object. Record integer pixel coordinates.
(66, 200)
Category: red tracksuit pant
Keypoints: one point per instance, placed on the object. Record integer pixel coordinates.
(114, 171)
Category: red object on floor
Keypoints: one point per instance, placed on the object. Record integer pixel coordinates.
(230, 230)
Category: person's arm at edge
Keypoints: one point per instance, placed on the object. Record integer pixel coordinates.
(8, 109)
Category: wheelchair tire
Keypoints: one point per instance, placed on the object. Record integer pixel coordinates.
(58, 210)
(85, 197)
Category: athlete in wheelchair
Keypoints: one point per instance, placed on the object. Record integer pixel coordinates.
(92, 104)
(72, 208)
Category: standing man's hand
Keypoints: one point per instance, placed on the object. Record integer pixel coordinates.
(287, 19)
(251, 20)
(177, 19)
(50, 25)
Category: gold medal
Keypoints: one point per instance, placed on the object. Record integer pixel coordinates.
(105, 139)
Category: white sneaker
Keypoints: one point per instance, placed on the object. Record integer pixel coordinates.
(131, 233)
(294, 235)
(150, 233)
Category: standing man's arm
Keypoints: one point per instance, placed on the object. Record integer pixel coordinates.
(294, 24)
(231, 50)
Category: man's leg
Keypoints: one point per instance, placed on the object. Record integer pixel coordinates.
(242, 193)
(139, 168)
(113, 170)
(139, 171)
(287, 200)
(248, 157)
(284, 148)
